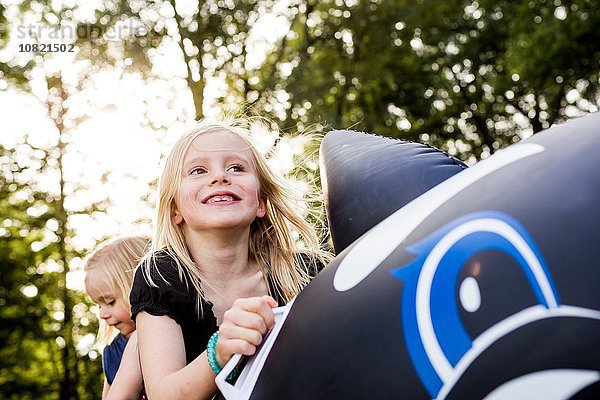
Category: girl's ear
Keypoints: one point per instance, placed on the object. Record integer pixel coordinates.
(262, 207)
(177, 218)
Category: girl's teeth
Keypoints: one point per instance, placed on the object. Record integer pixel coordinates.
(218, 199)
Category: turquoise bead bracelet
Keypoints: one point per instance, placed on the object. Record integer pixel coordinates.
(211, 353)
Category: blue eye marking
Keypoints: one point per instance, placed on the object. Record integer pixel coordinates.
(435, 336)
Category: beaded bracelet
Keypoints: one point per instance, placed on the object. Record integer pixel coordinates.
(211, 352)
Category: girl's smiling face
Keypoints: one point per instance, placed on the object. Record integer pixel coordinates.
(219, 188)
(112, 307)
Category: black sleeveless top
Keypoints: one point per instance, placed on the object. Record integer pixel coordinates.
(176, 297)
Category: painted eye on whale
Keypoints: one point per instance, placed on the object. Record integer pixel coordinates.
(490, 287)
(468, 283)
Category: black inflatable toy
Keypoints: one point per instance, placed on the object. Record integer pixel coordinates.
(487, 286)
(366, 178)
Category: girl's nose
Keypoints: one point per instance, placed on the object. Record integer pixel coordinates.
(219, 176)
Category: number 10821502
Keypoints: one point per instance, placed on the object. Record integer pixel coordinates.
(46, 48)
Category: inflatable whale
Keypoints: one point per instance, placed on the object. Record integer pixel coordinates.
(450, 282)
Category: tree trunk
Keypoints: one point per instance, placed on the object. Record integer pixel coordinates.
(57, 111)
(197, 88)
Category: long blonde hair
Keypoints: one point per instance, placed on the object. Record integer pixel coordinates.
(116, 259)
(275, 239)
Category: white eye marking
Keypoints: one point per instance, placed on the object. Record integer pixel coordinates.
(469, 294)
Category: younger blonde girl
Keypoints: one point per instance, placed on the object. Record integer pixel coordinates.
(109, 274)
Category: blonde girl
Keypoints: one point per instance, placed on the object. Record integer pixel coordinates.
(225, 251)
(109, 274)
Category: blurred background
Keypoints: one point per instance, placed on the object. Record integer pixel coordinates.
(93, 92)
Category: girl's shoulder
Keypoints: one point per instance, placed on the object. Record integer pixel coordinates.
(119, 341)
(162, 269)
(159, 289)
(115, 348)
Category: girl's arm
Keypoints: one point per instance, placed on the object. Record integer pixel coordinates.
(162, 349)
(128, 381)
(162, 357)
(105, 389)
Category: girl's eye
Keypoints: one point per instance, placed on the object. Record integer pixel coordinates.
(236, 168)
(110, 303)
(197, 171)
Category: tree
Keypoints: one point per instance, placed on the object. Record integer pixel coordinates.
(35, 314)
(214, 41)
(44, 318)
(469, 77)
(509, 70)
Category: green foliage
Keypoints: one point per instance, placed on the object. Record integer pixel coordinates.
(23, 318)
(468, 77)
(32, 289)
(20, 319)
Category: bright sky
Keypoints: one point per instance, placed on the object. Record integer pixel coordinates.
(113, 141)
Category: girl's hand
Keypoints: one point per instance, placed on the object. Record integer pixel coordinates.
(244, 326)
